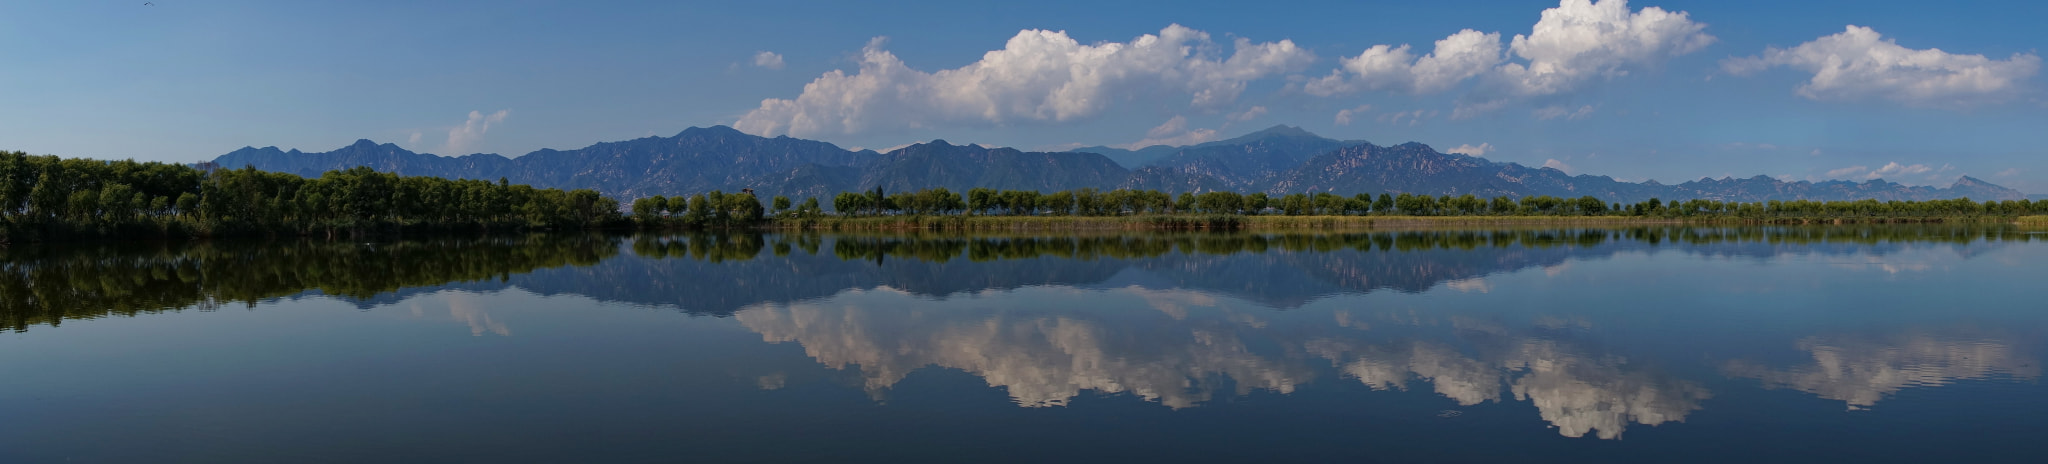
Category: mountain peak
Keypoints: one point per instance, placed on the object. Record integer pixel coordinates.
(363, 144)
(1282, 130)
(713, 131)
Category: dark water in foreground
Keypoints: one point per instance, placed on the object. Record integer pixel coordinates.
(1886, 344)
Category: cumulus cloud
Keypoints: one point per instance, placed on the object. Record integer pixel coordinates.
(1859, 63)
(1581, 39)
(770, 60)
(1038, 76)
(1559, 111)
(1174, 132)
(1574, 43)
(1456, 58)
(463, 137)
(1553, 163)
(1344, 116)
(1469, 150)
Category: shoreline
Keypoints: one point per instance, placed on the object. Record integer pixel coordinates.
(1274, 223)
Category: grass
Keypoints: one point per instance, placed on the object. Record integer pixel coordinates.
(2032, 221)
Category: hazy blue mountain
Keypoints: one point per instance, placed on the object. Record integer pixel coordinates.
(1417, 168)
(385, 157)
(1244, 163)
(1131, 159)
(957, 167)
(1277, 160)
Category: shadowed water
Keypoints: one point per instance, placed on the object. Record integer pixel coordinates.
(1904, 343)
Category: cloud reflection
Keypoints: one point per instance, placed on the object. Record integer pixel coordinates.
(1860, 371)
(1576, 392)
(1053, 351)
(1041, 359)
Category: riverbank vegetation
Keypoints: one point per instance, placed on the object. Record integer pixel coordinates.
(46, 197)
(1090, 209)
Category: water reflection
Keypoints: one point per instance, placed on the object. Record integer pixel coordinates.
(1187, 354)
(1861, 371)
(721, 273)
(1181, 320)
(1576, 391)
(1042, 359)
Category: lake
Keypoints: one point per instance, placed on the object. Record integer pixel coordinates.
(1662, 344)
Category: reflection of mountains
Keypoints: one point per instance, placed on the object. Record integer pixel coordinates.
(1862, 370)
(1181, 359)
(720, 273)
(1266, 272)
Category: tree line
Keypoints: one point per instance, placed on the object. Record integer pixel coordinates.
(48, 197)
(1126, 202)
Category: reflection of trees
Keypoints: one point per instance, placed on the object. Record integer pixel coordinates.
(1862, 370)
(50, 285)
(1179, 357)
(717, 273)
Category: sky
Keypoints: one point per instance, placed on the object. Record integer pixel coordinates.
(1914, 92)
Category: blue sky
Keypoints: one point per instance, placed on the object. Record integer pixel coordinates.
(1919, 93)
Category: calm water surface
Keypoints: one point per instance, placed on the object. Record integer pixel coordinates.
(1881, 344)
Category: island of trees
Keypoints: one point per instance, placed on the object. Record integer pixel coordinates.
(46, 197)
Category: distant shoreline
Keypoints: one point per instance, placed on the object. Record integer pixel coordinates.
(1270, 223)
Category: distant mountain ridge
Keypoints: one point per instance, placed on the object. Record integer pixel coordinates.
(1277, 160)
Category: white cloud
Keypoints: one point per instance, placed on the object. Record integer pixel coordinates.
(1848, 171)
(2008, 172)
(1892, 169)
(1344, 116)
(1553, 163)
(1896, 169)
(1571, 44)
(1859, 63)
(1412, 117)
(463, 137)
(770, 60)
(1559, 111)
(1038, 76)
(1581, 39)
(413, 141)
(1174, 132)
(1470, 150)
(1247, 115)
(1456, 58)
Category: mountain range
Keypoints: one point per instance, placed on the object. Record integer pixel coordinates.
(1277, 160)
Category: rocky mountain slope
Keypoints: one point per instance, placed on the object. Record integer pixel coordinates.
(1277, 160)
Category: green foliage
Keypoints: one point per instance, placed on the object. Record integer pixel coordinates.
(49, 197)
